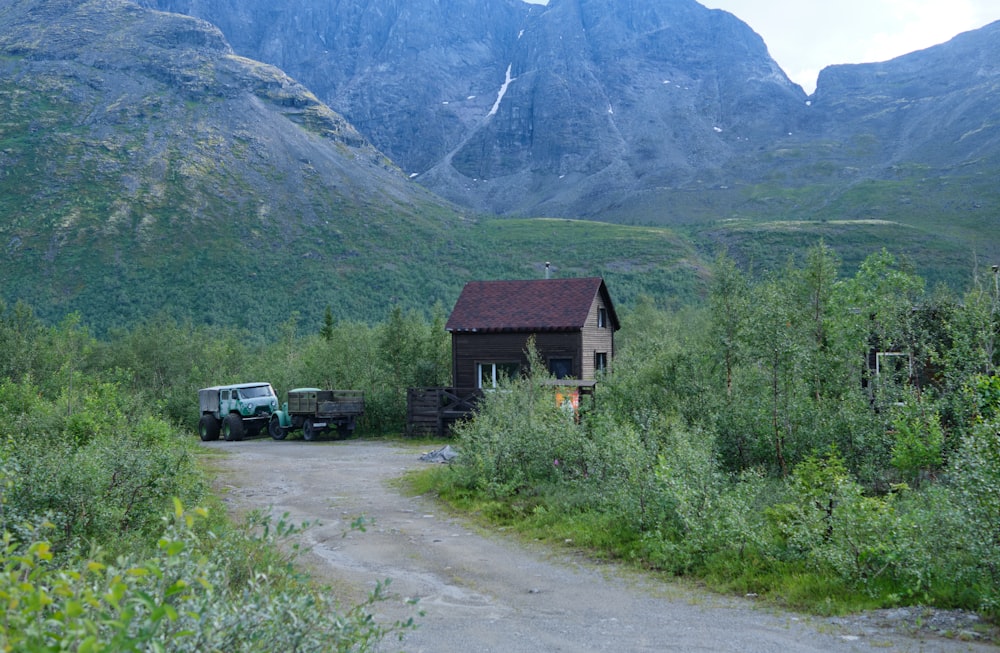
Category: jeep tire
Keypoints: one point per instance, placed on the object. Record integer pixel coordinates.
(232, 428)
(208, 428)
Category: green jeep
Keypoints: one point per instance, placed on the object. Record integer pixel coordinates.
(235, 411)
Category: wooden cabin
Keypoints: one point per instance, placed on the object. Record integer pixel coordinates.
(573, 322)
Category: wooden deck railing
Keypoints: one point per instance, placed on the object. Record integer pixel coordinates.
(433, 411)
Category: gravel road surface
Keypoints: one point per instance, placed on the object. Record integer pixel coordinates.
(483, 592)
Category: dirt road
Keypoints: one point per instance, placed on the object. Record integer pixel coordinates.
(486, 592)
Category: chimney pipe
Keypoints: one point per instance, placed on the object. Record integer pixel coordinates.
(546, 269)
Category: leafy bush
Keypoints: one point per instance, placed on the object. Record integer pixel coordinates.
(975, 483)
(180, 598)
(622, 466)
(713, 514)
(101, 471)
(832, 524)
(520, 439)
(918, 448)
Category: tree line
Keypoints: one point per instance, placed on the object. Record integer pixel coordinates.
(828, 441)
(800, 433)
(112, 539)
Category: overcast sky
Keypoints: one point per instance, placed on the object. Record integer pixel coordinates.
(805, 36)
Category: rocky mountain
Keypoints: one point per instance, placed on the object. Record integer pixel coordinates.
(145, 164)
(937, 107)
(652, 111)
(146, 167)
(149, 160)
(567, 109)
(413, 76)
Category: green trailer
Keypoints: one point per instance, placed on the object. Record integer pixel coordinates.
(318, 412)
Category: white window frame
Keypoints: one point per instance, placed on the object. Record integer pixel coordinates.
(496, 370)
(882, 355)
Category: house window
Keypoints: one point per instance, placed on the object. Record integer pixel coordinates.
(895, 366)
(602, 318)
(600, 361)
(488, 375)
(893, 373)
(561, 368)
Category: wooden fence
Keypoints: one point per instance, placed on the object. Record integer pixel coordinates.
(433, 411)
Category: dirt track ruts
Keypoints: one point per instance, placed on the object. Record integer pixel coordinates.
(487, 592)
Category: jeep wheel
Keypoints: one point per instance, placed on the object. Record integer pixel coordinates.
(208, 428)
(232, 428)
(275, 430)
(309, 431)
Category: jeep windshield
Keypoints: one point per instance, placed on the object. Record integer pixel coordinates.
(256, 391)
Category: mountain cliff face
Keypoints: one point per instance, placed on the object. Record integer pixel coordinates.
(566, 109)
(609, 98)
(412, 76)
(936, 107)
(147, 162)
(654, 110)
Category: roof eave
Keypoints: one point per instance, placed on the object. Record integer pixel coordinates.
(536, 329)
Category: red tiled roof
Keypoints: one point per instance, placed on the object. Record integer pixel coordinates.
(532, 305)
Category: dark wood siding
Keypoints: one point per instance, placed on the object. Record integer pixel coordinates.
(468, 349)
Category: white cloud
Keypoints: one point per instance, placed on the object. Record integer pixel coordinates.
(805, 36)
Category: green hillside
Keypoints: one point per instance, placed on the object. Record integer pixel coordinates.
(942, 220)
(145, 168)
(118, 220)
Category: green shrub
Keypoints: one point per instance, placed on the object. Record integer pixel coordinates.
(975, 483)
(97, 466)
(831, 524)
(622, 461)
(178, 599)
(918, 447)
(520, 439)
(714, 514)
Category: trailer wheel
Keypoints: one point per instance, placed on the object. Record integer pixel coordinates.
(232, 428)
(208, 428)
(274, 429)
(309, 431)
